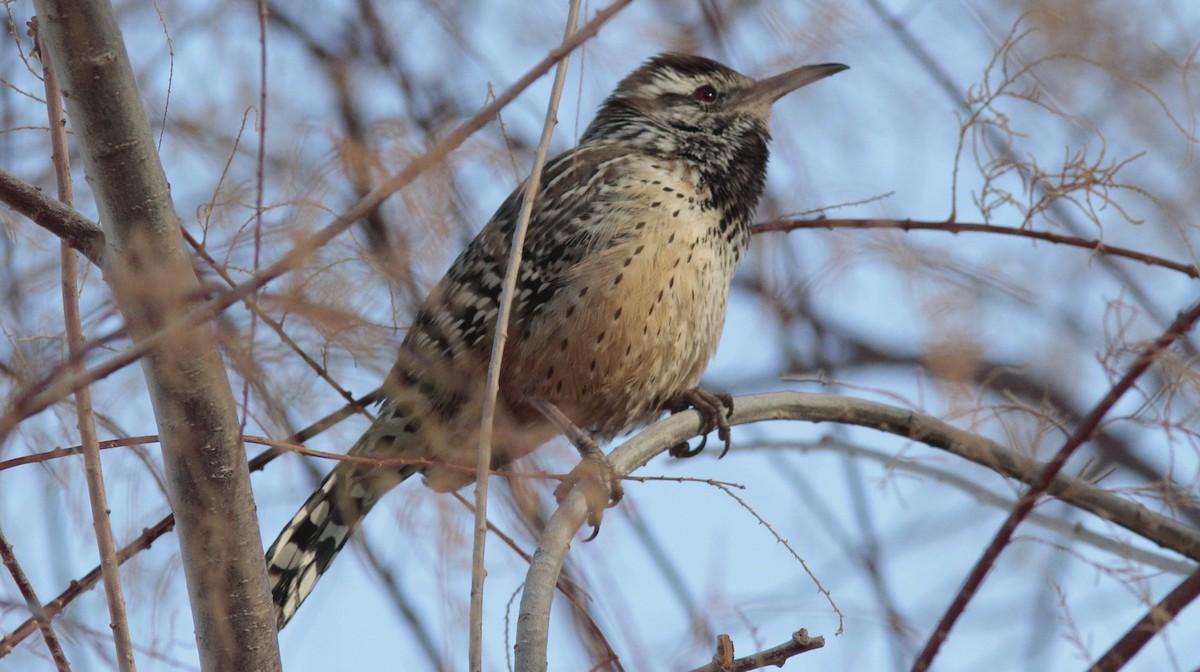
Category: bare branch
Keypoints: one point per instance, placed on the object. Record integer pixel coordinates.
(1182, 324)
(1096, 245)
(483, 460)
(776, 656)
(76, 230)
(1150, 625)
(533, 622)
(41, 615)
(152, 280)
(150, 534)
(93, 471)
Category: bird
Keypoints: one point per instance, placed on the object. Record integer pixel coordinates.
(619, 303)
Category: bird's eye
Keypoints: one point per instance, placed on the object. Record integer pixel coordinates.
(705, 94)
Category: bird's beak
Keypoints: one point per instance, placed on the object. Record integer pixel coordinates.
(762, 93)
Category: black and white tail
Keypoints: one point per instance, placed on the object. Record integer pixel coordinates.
(306, 546)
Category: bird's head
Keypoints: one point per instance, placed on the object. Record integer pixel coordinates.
(693, 107)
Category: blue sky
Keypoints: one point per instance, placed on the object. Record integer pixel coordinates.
(883, 128)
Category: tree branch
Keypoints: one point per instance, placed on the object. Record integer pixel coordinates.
(775, 656)
(533, 621)
(41, 616)
(483, 460)
(1096, 245)
(1150, 625)
(76, 230)
(152, 280)
(1182, 324)
(93, 471)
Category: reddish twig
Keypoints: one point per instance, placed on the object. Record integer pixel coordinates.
(1095, 245)
(150, 535)
(41, 614)
(1182, 324)
(1151, 624)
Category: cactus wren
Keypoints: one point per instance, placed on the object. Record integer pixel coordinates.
(620, 300)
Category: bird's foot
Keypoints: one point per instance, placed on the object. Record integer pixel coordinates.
(597, 480)
(714, 409)
(595, 474)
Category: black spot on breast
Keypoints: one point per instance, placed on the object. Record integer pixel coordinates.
(617, 314)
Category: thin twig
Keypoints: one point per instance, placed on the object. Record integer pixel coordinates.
(484, 458)
(260, 170)
(1063, 527)
(1007, 150)
(1150, 625)
(41, 615)
(565, 586)
(1095, 245)
(1182, 324)
(779, 538)
(93, 470)
(151, 534)
(271, 322)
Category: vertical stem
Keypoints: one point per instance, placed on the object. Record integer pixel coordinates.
(155, 287)
(93, 471)
(484, 462)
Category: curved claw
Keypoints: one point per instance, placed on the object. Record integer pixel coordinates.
(723, 435)
(714, 410)
(683, 450)
(598, 482)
